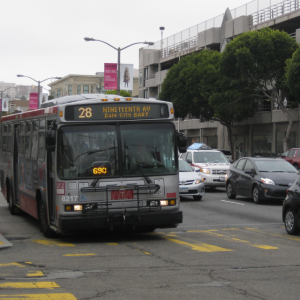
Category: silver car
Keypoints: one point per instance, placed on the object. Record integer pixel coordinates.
(190, 182)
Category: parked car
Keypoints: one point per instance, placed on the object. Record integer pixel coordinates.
(213, 164)
(260, 178)
(291, 208)
(227, 153)
(190, 183)
(292, 156)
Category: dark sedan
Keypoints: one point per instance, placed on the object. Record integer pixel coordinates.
(260, 178)
(291, 209)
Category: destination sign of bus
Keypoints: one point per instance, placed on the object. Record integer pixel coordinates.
(116, 112)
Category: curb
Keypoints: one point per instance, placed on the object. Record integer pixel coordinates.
(4, 243)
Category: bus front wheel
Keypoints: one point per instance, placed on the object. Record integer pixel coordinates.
(45, 228)
(12, 208)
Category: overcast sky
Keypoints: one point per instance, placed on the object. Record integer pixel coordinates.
(43, 39)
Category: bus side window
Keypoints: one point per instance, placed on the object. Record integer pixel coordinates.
(27, 139)
(4, 136)
(22, 139)
(41, 145)
(34, 140)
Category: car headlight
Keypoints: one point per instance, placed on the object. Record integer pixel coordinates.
(197, 181)
(267, 181)
(205, 171)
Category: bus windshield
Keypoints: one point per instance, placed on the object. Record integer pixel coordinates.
(90, 151)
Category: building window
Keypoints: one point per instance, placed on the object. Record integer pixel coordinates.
(262, 143)
(145, 93)
(85, 89)
(58, 93)
(78, 89)
(69, 90)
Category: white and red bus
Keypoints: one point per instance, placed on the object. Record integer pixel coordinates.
(93, 161)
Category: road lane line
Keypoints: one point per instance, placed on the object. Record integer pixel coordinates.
(87, 254)
(29, 285)
(53, 243)
(200, 247)
(60, 296)
(232, 202)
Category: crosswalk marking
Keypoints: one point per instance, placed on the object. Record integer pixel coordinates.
(200, 247)
(35, 274)
(53, 243)
(86, 254)
(29, 285)
(60, 296)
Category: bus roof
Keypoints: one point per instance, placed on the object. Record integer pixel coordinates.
(82, 97)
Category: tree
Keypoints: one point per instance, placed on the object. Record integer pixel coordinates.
(122, 93)
(197, 88)
(259, 58)
(190, 82)
(293, 74)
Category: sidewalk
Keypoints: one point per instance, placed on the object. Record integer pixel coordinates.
(4, 243)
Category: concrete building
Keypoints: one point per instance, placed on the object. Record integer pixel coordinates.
(85, 84)
(260, 135)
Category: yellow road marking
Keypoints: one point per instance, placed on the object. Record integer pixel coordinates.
(60, 296)
(201, 247)
(293, 238)
(29, 285)
(53, 243)
(12, 264)
(212, 232)
(265, 247)
(1, 243)
(112, 244)
(87, 254)
(35, 274)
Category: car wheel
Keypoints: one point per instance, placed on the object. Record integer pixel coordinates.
(12, 208)
(255, 195)
(229, 192)
(296, 166)
(197, 198)
(290, 222)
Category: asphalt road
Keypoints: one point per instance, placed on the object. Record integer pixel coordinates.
(224, 249)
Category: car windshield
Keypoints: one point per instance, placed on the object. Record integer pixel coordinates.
(184, 166)
(210, 157)
(88, 151)
(274, 166)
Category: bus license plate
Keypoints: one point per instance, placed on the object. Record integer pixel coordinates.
(183, 190)
(121, 194)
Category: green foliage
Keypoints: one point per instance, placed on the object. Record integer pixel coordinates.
(122, 93)
(190, 82)
(293, 75)
(259, 57)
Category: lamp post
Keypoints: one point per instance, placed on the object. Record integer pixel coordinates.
(119, 52)
(39, 84)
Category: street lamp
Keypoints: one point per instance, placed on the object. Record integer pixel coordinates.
(119, 51)
(39, 84)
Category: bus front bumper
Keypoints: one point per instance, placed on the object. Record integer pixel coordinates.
(130, 220)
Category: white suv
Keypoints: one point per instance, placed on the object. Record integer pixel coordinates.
(213, 164)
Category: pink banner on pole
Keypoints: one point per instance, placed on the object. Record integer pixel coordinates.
(110, 76)
(33, 100)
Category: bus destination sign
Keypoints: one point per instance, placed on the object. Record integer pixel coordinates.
(119, 111)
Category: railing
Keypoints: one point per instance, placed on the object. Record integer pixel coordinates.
(260, 10)
(275, 11)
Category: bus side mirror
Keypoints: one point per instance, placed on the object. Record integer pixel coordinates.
(181, 142)
(50, 140)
